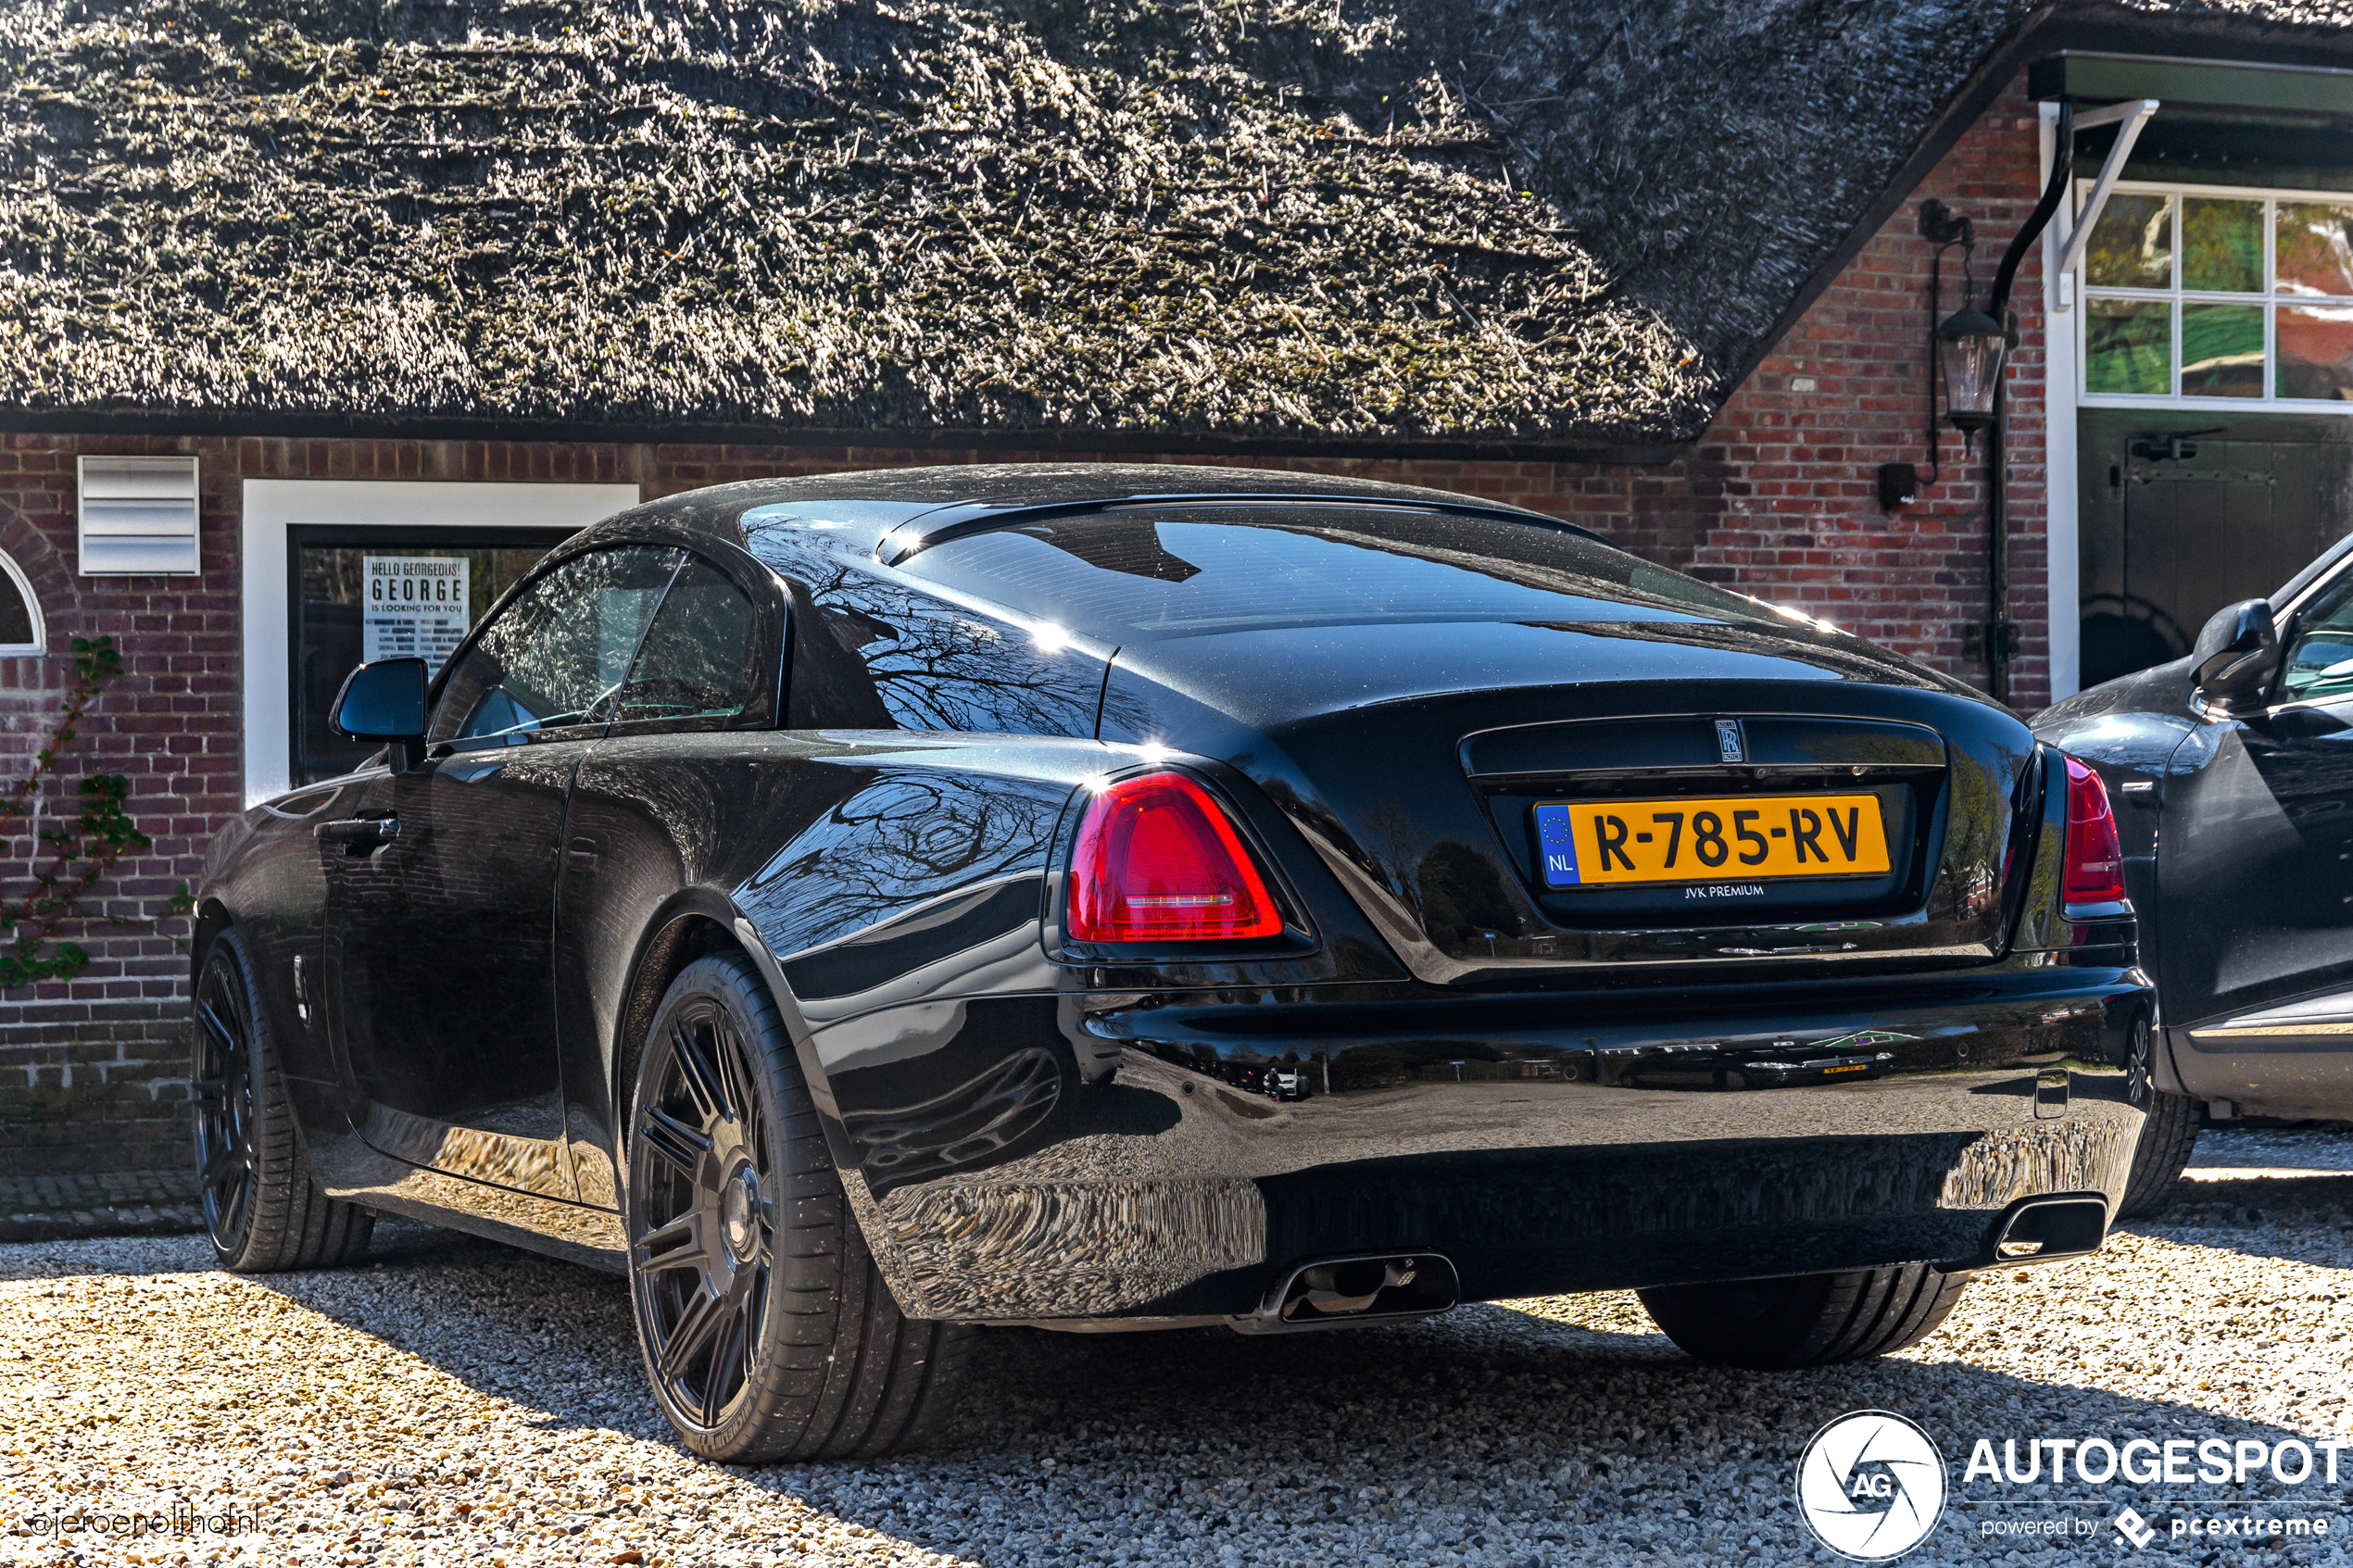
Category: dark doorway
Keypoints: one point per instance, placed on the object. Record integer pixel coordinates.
(2177, 517)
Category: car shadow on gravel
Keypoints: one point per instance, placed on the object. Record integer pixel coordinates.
(1568, 1431)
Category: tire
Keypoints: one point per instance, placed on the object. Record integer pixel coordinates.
(766, 1329)
(263, 1208)
(2168, 1137)
(1810, 1320)
(2168, 1133)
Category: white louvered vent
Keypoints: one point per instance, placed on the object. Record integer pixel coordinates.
(139, 517)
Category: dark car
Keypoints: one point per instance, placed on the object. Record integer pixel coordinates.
(842, 905)
(2234, 769)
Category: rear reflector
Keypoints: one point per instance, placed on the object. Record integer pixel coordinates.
(2094, 861)
(1157, 861)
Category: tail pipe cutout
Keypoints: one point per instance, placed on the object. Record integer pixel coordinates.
(1373, 1288)
(2042, 1229)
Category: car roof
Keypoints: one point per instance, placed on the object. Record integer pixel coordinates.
(872, 504)
(1042, 484)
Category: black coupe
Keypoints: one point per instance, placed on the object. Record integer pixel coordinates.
(862, 909)
(2234, 767)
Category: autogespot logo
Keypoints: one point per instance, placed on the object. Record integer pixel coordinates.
(1871, 1486)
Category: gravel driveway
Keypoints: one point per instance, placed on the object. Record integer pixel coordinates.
(458, 1402)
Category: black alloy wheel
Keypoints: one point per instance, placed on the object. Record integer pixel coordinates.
(222, 1089)
(766, 1329)
(264, 1208)
(707, 1224)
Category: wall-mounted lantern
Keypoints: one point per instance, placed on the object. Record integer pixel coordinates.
(1970, 344)
(1968, 347)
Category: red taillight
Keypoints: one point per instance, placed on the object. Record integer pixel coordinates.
(1157, 861)
(2094, 861)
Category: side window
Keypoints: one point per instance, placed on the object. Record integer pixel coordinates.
(2320, 656)
(697, 662)
(559, 651)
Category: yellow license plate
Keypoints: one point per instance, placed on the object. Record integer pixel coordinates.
(1701, 838)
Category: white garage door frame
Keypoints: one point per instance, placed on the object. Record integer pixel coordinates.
(272, 506)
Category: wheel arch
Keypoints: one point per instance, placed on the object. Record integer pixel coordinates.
(696, 925)
(212, 918)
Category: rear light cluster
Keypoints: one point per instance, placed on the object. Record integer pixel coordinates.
(2095, 859)
(1157, 861)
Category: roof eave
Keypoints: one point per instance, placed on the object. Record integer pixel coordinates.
(265, 424)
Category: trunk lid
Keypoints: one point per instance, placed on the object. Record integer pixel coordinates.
(1425, 764)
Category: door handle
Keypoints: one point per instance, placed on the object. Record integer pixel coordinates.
(360, 834)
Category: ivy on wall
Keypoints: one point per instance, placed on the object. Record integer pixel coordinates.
(78, 853)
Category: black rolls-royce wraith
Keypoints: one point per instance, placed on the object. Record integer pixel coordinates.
(860, 908)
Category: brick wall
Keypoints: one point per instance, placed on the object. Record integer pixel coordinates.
(1796, 450)
(1778, 499)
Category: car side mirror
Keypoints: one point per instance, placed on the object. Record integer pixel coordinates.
(2236, 654)
(385, 701)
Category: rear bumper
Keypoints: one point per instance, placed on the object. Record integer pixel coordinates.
(1542, 1144)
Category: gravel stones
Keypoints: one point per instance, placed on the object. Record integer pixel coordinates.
(457, 1402)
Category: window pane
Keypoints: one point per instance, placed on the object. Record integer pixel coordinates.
(2311, 251)
(2222, 246)
(557, 651)
(697, 663)
(2320, 660)
(16, 616)
(2221, 351)
(2132, 246)
(2128, 347)
(330, 616)
(2316, 351)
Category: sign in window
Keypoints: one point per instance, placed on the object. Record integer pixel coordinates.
(365, 594)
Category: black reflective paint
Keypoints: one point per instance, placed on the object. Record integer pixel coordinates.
(2237, 831)
(1439, 1055)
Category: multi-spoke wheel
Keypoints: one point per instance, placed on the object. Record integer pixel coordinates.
(767, 1330)
(222, 1087)
(263, 1207)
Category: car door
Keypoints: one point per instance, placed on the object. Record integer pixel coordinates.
(641, 816)
(2256, 900)
(441, 886)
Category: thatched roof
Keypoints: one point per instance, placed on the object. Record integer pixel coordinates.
(1540, 222)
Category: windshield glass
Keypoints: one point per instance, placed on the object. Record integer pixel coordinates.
(1138, 575)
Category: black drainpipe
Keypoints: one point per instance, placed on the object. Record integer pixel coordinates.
(2000, 631)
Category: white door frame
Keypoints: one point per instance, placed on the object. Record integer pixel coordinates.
(2062, 559)
(274, 506)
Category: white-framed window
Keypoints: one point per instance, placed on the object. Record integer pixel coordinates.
(23, 633)
(2218, 296)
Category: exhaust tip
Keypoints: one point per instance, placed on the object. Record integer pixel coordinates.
(1369, 1288)
(2042, 1229)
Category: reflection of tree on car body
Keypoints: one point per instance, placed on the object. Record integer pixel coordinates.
(912, 888)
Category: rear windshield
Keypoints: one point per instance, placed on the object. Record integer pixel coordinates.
(1138, 575)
